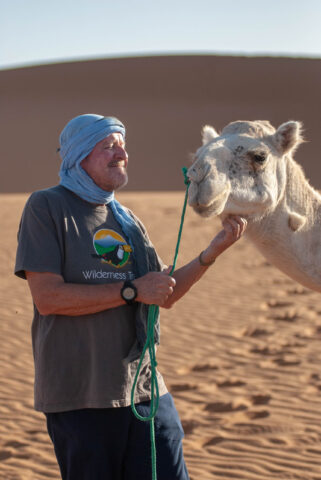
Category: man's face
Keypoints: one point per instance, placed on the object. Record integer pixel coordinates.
(107, 163)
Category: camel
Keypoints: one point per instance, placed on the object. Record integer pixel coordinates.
(248, 169)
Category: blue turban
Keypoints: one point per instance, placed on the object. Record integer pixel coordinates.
(77, 141)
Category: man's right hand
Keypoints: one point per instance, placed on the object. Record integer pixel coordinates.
(155, 288)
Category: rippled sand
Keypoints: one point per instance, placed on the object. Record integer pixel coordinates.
(240, 353)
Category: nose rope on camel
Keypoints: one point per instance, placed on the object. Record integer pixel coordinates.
(150, 345)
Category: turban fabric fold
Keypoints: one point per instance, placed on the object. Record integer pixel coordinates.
(77, 141)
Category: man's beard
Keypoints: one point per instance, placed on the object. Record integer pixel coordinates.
(123, 184)
(117, 183)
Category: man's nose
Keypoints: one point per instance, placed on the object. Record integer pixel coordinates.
(121, 152)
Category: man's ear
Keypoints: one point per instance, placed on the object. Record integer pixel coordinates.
(208, 134)
(288, 137)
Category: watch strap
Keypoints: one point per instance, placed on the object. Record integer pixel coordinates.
(128, 284)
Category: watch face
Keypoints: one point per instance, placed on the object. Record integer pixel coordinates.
(128, 293)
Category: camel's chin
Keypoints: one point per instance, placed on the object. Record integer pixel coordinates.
(212, 210)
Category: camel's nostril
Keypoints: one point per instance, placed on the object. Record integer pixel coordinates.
(193, 175)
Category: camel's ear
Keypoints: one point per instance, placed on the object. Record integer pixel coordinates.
(288, 136)
(208, 134)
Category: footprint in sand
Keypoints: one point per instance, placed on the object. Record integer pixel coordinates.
(314, 380)
(254, 429)
(270, 351)
(189, 426)
(294, 344)
(286, 362)
(213, 441)
(203, 367)
(277, 441)
(317, 330)
(224, 407)
(182, 387)
(298, 291)
(255, 332)
(263, 351)
(198, 367)
(15, 444)
(288, 316)
(273, 303)
(260, 399)
(230, 383)
(5, 454)
(253, 415)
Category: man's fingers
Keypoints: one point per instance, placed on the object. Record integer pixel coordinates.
(243, 224)
(232, 226)
(235, 224)
(167, 270)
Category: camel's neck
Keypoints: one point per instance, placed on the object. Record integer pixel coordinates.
(290, 235)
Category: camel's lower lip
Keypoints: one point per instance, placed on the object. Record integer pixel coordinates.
(205, 208)
(202, 208)
(214, 206)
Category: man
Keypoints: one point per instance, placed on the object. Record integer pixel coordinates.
(92, 272)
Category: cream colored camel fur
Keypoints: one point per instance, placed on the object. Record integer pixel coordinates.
(248, 170)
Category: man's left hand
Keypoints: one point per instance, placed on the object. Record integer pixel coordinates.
(233, 228)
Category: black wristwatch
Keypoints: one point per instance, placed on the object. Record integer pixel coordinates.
(128, 292)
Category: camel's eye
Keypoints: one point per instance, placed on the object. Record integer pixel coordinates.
(259, 157)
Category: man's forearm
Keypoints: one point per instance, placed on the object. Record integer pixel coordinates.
(73, 299)
(185, 277)
(52, 296)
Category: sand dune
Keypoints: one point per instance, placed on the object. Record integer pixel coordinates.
(164, 101)
(241, 355)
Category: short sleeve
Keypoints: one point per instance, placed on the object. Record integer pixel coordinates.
(39, 249)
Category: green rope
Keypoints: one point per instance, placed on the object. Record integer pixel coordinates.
(150, 345)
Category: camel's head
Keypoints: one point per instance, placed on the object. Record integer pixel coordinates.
(242, 171)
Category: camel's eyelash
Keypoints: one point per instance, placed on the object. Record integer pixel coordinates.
(258, 157)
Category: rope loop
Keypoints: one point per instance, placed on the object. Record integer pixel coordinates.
(150, 346)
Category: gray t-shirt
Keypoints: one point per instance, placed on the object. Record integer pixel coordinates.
(84, 361)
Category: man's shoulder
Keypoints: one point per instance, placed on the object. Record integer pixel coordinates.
(46, 196)
(56, 191)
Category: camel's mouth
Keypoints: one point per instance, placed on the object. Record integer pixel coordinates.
(214, 208)
(208, 210)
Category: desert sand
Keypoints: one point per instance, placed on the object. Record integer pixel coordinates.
(240, 353)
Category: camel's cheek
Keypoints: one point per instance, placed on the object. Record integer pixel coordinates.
(208, 191)
(193, 194)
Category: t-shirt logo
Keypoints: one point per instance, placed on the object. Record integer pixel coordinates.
(111, 248)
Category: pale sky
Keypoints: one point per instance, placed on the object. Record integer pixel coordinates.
(41, 31)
